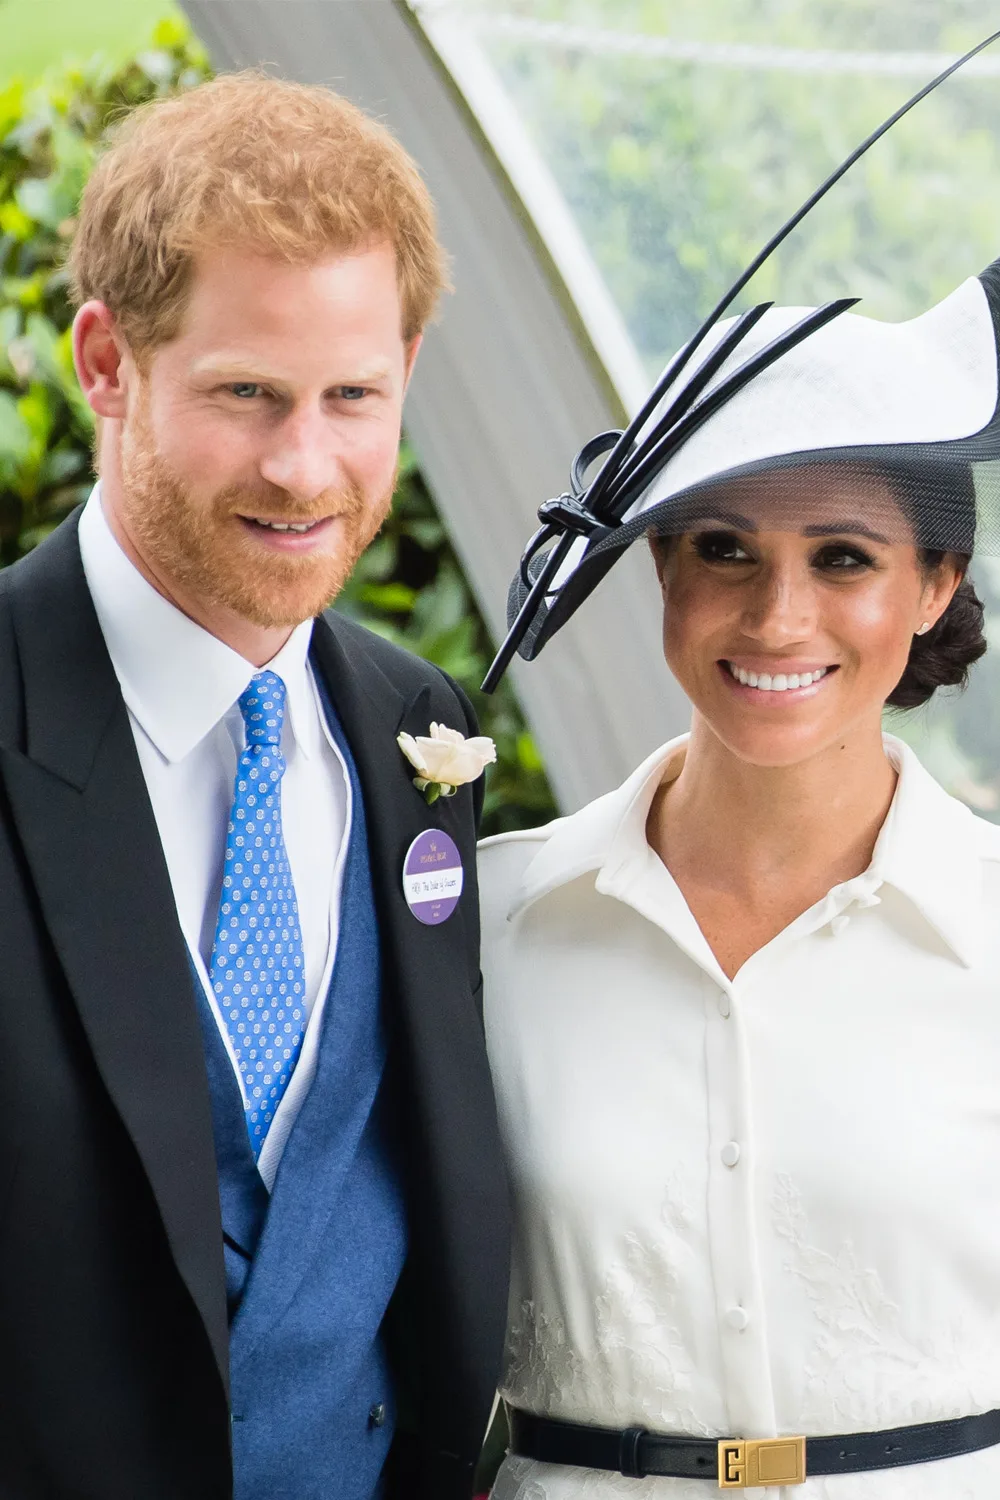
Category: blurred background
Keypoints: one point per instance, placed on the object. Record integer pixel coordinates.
(604, 169)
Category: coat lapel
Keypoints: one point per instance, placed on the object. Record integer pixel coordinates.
(423, 967)
(423, 962)
(80, 802)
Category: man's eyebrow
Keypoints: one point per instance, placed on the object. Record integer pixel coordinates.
(370, 376)
(232, 367)
(842, 528)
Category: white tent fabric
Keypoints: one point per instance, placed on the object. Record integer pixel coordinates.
(508, 385)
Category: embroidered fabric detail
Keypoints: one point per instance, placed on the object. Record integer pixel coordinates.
(523, 1479)
(867, 1366)
(640, 1367)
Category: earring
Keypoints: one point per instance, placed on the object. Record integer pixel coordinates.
(923, 629)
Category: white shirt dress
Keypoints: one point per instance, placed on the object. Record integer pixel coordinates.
(760, 1206)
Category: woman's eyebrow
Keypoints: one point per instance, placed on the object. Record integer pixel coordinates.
(840, 528)
(713, 516)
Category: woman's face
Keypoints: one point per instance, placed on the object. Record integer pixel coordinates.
(788, 642)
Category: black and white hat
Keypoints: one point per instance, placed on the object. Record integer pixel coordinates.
(815, 390)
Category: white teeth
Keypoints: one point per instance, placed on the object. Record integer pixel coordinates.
(781, 682)
(287, 525)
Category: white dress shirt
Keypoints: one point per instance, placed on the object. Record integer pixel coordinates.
(753, 1206)
(181, 686)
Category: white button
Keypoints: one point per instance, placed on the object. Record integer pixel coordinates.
(724, 1006)
(738, 1318)
(730, 1153)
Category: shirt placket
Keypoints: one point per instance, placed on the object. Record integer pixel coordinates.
(732, 1191)
(733, 1241)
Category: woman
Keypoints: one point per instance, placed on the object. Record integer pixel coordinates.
(744, 1014)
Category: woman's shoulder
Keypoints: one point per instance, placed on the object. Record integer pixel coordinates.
(517, 868)
(502, 861)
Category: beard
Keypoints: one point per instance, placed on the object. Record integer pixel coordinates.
(202, 547)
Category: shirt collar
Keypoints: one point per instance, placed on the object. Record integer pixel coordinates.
(931, 850)
(177, 679)
(606, 835)
(928, 849)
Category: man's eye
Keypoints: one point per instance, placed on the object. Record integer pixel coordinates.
(244, 389)
(352, 392)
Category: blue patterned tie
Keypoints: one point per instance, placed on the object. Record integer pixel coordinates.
(257, 971)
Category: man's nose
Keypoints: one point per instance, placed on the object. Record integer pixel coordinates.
(782, 607)
(301, 456)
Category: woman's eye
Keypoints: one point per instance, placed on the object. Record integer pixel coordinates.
(244, 390)
(841, 557)
(720, 546)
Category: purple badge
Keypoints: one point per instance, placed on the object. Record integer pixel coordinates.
(432, 877)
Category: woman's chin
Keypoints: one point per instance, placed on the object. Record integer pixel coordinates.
(769, 745)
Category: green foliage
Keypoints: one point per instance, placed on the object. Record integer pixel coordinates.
(48, 136)
(409, 587)
(33, 32)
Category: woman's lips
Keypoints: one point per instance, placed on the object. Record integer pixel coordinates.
(775, 685)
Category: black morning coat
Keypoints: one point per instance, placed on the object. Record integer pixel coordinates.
(113, 1333)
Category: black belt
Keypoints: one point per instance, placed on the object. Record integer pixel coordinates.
(737, 1464)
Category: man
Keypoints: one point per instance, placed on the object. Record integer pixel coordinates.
(250, 1189)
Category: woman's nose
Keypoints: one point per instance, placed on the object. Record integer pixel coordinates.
(782, 606)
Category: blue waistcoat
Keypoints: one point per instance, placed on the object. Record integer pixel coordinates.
(310, 1267)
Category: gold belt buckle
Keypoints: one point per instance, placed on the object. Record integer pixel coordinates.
(756, 1462)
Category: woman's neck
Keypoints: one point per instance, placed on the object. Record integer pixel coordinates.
(752, 847)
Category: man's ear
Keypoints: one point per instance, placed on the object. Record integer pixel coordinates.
(99, 352)
(412, 350)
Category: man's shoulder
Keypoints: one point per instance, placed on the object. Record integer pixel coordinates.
(44, 604)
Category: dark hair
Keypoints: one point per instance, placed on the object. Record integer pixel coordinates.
(943, 656)
(941, 503)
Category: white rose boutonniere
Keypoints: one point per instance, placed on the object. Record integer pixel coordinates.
(445, 759)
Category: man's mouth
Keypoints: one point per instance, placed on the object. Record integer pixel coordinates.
(299, 527)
